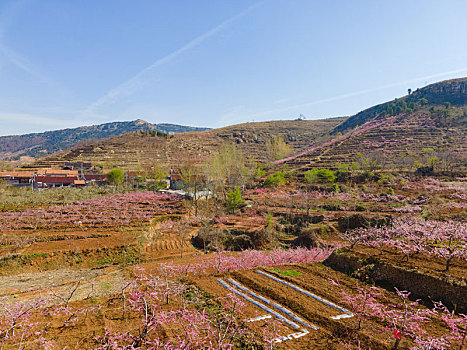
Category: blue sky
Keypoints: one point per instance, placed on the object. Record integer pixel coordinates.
(213, 63)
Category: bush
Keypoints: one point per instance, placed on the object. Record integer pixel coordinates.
(366, 176)
(216, 239)
(385, 179)
(308, 237)
(335, 188)
(210, 238)
(234, 199)
(239, 242)
(259, 172)
(353, 221)
(360, 207)
(115, 177)
(264, 238)
(342, 175)
(320, 175)
(274, 180)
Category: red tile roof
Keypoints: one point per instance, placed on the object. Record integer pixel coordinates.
(56, 180)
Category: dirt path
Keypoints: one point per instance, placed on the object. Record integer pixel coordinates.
(92, 283)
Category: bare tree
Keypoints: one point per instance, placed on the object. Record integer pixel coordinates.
(193, 180)
(276, 148)
(150, 236)
(228, 170)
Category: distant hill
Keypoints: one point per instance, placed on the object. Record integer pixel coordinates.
(453, 92)
(41, 144)
(430, 122)
(139, 149)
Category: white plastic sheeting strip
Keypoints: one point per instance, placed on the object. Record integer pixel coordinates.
(279, 307)
(259, 318)
(347, 313)
(338, 317)
(291, 336)
(258, 304)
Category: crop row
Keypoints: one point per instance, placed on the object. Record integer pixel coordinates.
(116, 209)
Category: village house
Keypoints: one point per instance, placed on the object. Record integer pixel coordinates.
(50, 178)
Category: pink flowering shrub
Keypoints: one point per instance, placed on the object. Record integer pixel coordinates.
(223, 261)
(116, 209)
(362, 303)
(445, 239)
(432, 185)
(406, 319)
(17, 323)
(408, 209)
(202, 322)
(403, 320)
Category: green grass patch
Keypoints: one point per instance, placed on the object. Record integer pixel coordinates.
(286, 272)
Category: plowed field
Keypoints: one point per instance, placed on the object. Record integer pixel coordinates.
(313, 278)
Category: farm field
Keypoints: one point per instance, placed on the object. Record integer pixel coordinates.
(296, 268)
(233, 175)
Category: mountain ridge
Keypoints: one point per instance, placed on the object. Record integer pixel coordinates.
(44, 143)
(453, 91)
(143, 150)
(427, 127)
(400, 131)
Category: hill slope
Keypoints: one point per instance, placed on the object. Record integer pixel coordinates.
(144, 150)
(430, 122)
(41, 144)
(451, 91)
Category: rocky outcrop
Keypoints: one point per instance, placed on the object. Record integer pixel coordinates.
(452, 91)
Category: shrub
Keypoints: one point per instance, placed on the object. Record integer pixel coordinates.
(259, 172)
(335, 188)
(115, 177)
(360, 207)
(263, 238)
(274, 180)
(308, 237)
(385, 179)
(342, 175)
(320, 175)
(234, 199)
(210, 238)
(353, 221)
(239, 243)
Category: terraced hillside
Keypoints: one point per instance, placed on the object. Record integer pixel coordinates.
(145, 150)
(41, 144)
(453, 92)
(431, 122)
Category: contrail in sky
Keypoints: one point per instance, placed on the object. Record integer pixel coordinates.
(356, 93)
(133, 84)
(23, 63)
(7, 17)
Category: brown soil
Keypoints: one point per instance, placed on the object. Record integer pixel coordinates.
(423, 263)
(92, 283)
(422, 278)
(314, 278)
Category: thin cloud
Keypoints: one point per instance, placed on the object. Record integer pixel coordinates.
(135, 83)
(24, 64)
(352, 94)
